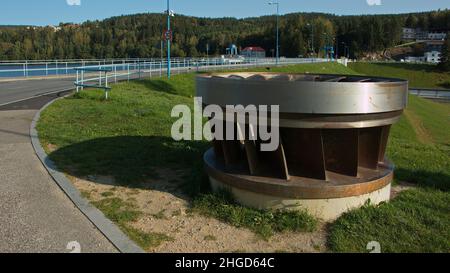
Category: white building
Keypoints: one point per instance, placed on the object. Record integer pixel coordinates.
(437, 35)
(429, 57)
(412, 34)
(413, 59)
(432, 57)
(409, 33)
(253, 52)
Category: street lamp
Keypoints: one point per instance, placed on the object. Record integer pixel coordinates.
(168, 37)
(346, 52)
(312, 37)
(278, 25)
(326, 47)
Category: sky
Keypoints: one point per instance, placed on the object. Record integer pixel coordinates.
(53, 12)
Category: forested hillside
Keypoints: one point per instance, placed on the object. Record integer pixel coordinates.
(140, 35)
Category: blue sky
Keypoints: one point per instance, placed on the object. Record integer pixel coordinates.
(44, 12)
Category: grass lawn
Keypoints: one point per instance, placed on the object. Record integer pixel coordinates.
(418, 220)
(128, 138)
(419, 75)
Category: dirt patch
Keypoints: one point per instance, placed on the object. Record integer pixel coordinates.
(166, 210)
(51, 148)
(400, 187)
(422, 133)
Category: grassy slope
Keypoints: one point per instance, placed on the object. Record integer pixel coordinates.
(128, 136)
(419, 75)
(417, 220)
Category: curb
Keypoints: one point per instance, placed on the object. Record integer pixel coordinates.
(95, 216)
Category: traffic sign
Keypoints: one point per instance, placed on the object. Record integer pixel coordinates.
(168, 35)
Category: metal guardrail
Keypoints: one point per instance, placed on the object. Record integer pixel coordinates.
(437, 94)
(98, 76)
(60, 68)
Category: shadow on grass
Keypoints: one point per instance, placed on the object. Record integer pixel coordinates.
(159, 86)
(445, 85)
(140, 162)
(137, 162)
(436, 180)
(415, 67)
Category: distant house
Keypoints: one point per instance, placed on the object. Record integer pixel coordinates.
(439, 36)
(409, 34)
(429, 57)
(417, 34)
(432, 57)
(54, 28)
(253, 52)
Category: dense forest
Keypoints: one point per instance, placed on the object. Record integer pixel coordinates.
(140, 35)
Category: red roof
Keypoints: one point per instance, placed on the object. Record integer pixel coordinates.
(254, 48)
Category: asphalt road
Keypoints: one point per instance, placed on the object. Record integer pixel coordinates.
(35, 214)
(14, 91)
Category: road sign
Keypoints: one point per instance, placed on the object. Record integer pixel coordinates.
(168, 35)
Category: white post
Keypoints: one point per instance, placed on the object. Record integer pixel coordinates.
(82, 79)
(78, 88)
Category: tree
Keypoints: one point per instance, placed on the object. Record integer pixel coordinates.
(445, 55)
(140, 35)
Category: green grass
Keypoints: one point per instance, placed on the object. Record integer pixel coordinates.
(426, 164)
(128, 138)
(263, 223)
(419, 75)
(123, 214)
(417, 220)
(328, 68)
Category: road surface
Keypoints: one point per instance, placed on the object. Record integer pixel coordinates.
(35, 214)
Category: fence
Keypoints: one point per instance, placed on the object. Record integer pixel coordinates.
(94, 76)
(64, 68)
(431, 93)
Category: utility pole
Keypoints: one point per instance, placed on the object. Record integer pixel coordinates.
(278, 32)
(168, 38)
(312, 37)
(337, 48)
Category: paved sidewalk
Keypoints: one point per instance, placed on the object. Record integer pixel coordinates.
(35, 215)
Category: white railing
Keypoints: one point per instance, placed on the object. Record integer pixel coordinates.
(94, 76)
(67, 68)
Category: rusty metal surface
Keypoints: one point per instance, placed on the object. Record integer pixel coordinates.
(304, 152)
(334, 131)
(369, 147)
(339, 186)
(305, 94)
(341, 151)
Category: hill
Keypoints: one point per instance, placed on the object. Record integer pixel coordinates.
(140, 35)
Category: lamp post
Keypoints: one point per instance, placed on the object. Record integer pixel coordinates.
(278, 33)
(326, 44)
(346, 51)
(168, 35)
(337, 47)
(312, 37)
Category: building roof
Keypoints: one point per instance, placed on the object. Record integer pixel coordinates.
(254, 48)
